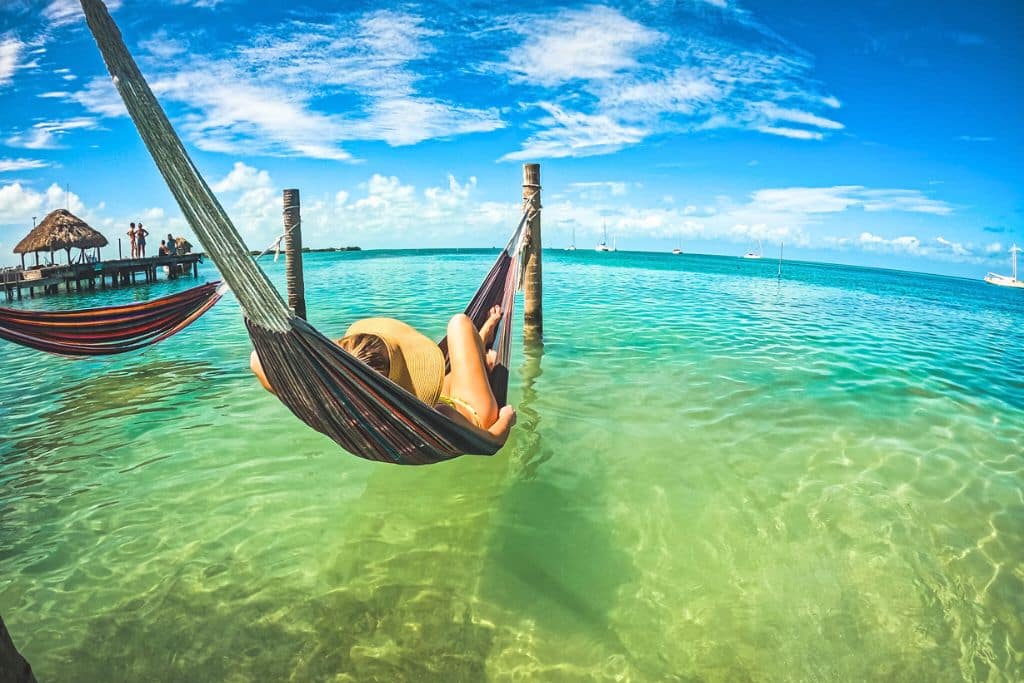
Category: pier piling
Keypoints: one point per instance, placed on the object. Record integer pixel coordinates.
(533, 310)
(293, 254)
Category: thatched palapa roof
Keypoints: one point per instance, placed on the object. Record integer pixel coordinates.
(61, 229)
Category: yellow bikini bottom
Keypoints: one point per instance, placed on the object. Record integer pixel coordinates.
(456, 403)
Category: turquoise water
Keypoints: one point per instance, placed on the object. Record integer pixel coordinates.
(716, 476)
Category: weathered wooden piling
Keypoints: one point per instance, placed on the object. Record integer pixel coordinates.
(293, 254)
(533, 309)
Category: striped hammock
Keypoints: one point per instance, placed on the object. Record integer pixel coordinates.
(108, 330)
(322, 384)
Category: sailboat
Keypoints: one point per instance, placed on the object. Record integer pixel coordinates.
(754, 254)
(679, 249)
(604, 243)
(1003, 280)
(572, 247)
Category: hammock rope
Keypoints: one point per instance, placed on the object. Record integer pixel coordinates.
(111, 329)
(323, 385)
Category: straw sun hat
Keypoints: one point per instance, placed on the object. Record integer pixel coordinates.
(417, 364)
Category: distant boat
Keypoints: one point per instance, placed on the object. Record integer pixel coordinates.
(678, 250)
(572, 247)
(754, 254)
(1003, 280)
(604, 243)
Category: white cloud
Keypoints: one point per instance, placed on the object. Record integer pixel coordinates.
(163, 46)
(912, 201)
(242, 177)
(812, 200)
(232, 114)
(606, 67)
(775, 112)
(906, 244)
(599, 189)
(680, 92)
(8, 165)
(409, 120)
(568, 133)
(64, 12)
(379, 211)
(257, 207)
(18, 204)
(263, 98)
(994, 248)
(593, 43)
(10, 48)
(99, 96)
(954, 247)
(209, 4)
(794, 133)
(47, 134)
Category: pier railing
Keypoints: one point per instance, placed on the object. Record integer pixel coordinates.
(121, 272)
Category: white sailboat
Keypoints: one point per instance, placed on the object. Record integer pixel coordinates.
(1003, 280)
(572, 247)
(679, 249)
(754, 254)
(604, 243)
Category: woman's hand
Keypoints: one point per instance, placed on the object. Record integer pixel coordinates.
(502, 426)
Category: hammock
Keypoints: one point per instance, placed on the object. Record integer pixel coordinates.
(108, 330)
(322, 384)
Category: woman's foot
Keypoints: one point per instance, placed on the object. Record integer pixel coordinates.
(490, 326)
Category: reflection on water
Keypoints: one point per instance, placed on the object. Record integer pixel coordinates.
(526, 449)
(715, 476)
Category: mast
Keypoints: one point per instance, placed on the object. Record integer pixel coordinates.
(1013, 257)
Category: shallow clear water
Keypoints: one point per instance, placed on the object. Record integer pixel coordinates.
(716, 476)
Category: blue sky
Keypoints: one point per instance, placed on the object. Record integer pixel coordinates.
(872, 133)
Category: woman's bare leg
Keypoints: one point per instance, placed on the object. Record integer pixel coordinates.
(468, 379)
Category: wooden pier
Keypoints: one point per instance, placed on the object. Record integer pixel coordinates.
(120, 273)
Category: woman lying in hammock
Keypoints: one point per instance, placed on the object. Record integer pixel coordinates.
(414, 362)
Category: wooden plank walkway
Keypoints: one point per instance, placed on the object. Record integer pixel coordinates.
(121, 273)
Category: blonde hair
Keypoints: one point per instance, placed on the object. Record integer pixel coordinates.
(370, 349)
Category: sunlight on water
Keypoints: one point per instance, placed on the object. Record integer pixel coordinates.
(716, 476)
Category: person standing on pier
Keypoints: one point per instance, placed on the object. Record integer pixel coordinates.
(140, 239)
(172, 247)
(132, 233)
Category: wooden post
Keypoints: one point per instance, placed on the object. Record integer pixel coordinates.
(293, 254)
(533, 310)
